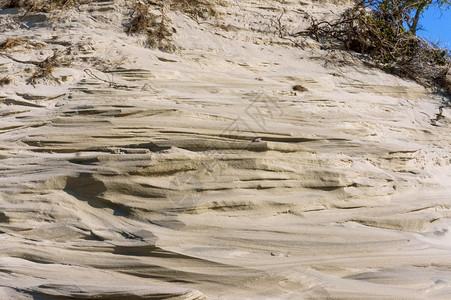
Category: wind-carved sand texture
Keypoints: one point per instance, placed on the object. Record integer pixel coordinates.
(130, 173)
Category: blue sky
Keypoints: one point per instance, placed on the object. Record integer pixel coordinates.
(437, 26)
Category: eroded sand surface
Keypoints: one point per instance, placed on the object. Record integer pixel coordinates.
(135, 176)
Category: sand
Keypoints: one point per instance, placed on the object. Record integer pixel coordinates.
(131, 173)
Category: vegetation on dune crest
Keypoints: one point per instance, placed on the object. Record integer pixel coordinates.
(151, 18)
(383, 30)
(41, 5)
(386, 30)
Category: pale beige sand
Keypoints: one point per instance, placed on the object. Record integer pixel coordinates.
(153, 189)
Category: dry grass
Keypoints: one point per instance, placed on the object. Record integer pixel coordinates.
(155, 26)
(14, 42)
(5, 80)
(10, 4)
(44, 71)
(140, 20)
(196, 8)
(41, 5)
(45, 68)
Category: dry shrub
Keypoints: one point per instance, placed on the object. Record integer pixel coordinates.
(391, 48)
(151, 18)
(42, 5)
(156, 26)
(141, 20)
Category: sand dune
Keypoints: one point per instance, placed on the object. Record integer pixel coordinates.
(131, 173)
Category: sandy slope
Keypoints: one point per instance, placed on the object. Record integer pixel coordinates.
(135, 176)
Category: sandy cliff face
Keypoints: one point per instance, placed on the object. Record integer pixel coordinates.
(130, 173)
